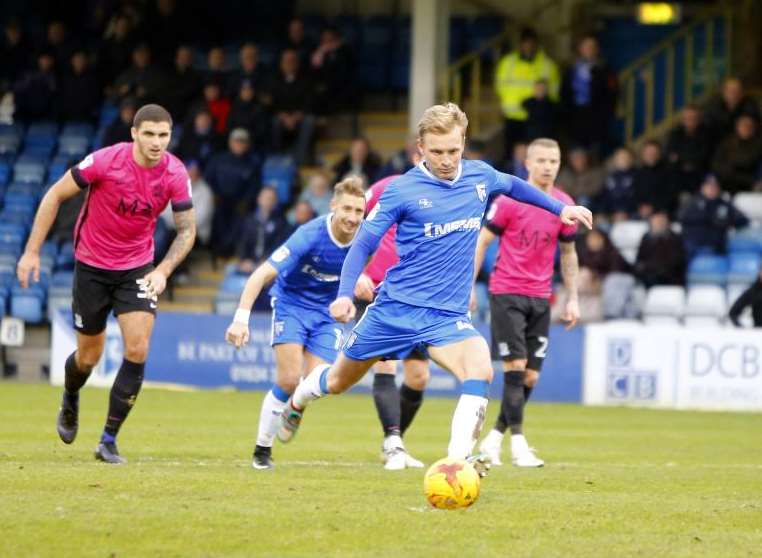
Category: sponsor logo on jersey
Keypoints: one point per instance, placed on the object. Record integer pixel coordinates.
(460, 225)
(280, 254)
(481, 191)
(319, 275)
(133, 208)
(425, 203)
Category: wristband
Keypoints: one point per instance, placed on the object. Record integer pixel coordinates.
(242, 316)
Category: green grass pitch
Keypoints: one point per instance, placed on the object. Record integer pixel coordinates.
(618, 482)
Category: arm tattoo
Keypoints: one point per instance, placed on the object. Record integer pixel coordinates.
(569, 267)
(185, 222)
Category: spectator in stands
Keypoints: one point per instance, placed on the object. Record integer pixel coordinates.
(141, 80)
(707, 218)
(203, 204)
(750, 297)
(14, 55)
(217, 104)
(738, 156)
(318, 193)
(249, 113)
(35, 93)
(60, 45)
(581, 180)
(119, 130)
(661, 254)
(234, 176)
(216, 67)
(292, 103)
(263, 231)
(475, 150)
(115, 51)
(402, 161)
(298, 41)
(588, 95)
(723, 111)
(516, 165)
(183, 85)
(200, 140)
(168, 26)
(333, 66)
(250, 71)
(516, 74)
(360, 161)
(617, 198)
(301, 213)
(652, 183)
(689, 150)
(542, 113)
(80, 92)
(605, 279)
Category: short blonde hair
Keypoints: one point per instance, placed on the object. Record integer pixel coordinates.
(441, 119)
(544, 142)
(351, 185)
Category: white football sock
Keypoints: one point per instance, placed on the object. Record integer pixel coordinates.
(310, 388)
(467, 424)
(269, 419)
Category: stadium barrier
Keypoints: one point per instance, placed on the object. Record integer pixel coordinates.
(190, 350)
(673, 367)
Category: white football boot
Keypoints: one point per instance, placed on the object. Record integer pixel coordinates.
(522, 454)
(492, 445)
(395, 455)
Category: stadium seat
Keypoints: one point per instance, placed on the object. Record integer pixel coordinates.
(74, 147)
(664, 304)
(626, 235)
(743, 267)
(42, 151)
(21, 201)
(83, 129)
(748, 239)
(9, 145)
(279, 171)
(706, 305)
(28, 304)
(4, 295)
(108, 114)
(12, 232)
(65, 257)
(750, 204)
(26, 170)
(234, 283)
(708, 270)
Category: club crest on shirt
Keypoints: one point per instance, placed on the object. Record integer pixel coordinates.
(481, 191)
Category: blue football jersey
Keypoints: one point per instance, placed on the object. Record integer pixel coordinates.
(438, 225)
(309, 266)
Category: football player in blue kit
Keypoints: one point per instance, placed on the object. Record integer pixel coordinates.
(306, 271)
(423, 303)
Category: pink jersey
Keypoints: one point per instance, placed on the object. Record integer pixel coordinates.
(528, 239)
(115, 227)
(386, 253)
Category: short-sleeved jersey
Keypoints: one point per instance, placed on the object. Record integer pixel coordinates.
(309, 266)
(115, 227)
(386, 253)
(438, 222)
(528, 240)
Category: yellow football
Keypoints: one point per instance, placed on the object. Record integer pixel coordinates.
(451, 484)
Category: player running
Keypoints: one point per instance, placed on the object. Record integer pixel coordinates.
(396, 408)
(128, 186)
(304, 335)
(520, 287)
(423, 302)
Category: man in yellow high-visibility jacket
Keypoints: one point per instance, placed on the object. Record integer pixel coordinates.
(516, 74)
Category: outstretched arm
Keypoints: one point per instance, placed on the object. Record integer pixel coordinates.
(569, 273)
(29, 262)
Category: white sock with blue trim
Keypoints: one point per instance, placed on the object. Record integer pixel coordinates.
(468, 419)
(314, 386)
(269, 416)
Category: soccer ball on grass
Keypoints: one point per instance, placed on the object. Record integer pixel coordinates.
(451, 484)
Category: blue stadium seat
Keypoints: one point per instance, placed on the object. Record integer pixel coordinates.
(234, 283)
(83, 129)
(708, 270)
(20, 200)
(279, 171)
(108, 114)
(49, 248)
(26, 170)
(74, 147)
(28, 188)
(4, 296)
(65, 257)
(748, 239)
(41, 151)
(9, 145)
(743, 267)
(62, 279)
(5, 173)
(12, 233)
(43, 129)
(28, 304)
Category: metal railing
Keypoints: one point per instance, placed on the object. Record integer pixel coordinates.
(684, 68)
